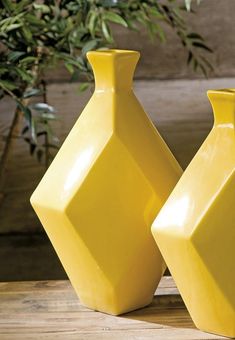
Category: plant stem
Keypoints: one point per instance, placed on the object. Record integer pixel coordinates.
(14, 130)
(47, 153)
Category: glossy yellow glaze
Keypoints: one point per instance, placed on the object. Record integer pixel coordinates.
(195, 230)
(99, 197)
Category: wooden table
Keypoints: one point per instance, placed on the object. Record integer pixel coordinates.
(51, 310)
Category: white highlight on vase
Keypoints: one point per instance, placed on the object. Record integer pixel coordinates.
(175, 213)
(78, 170)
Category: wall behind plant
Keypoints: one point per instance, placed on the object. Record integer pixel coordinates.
(213, 20)
(183, 117)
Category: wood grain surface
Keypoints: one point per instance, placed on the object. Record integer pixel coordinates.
(51, 310)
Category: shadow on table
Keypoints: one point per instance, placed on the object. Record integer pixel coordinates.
(166, 310)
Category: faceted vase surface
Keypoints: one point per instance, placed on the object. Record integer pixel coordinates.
(100, 195)
(195, 230)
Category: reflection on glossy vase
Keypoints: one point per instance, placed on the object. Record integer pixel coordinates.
(195, 230)
(99, 197)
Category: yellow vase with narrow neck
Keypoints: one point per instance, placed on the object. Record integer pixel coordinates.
(195, 230)
(100, 195)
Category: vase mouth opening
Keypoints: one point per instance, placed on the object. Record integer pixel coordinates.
(113, 52)
(227, 90)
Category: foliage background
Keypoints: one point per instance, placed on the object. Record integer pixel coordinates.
(37, 35)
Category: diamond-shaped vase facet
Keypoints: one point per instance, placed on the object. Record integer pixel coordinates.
(99, 197)
(195, 230)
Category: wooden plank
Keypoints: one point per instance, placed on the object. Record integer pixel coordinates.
(23, 220)
(107, 334)
(51, 310)
(28, 257)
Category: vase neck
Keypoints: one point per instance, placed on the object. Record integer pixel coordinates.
(113, 69)
(223, 104)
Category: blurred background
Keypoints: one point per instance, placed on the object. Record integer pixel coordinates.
(171, 90)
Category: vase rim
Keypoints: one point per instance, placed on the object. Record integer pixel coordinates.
(222, 91)
(113, 52)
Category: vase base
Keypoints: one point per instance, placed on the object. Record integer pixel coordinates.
(117, 310)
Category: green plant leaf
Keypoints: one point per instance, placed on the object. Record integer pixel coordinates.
(106, 32)
(3, 70)
(190, 56)
(195, 64)
(8, 84)
(201, 45)
(42, 7)
(33, 131)
(90, 45)
(35, 21)
(23, 74)
(116, 18)
(43, 107)
(92, 22)
(32, 93)
(28, 60)
(193, 35)
(188, 4)
(208, 64)
(27, 113)
(13, 27)
(49, 116)
(15, 55)
(69, 67)
(84, 86)
(27, 34)
(110, 3)
(8, 5)
(32, 148)
(203, 69)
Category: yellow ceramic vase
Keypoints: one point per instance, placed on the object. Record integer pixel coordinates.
(195, 230)
(99, 197)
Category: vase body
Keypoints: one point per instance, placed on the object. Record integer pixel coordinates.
(195, 229)
(100, 195)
